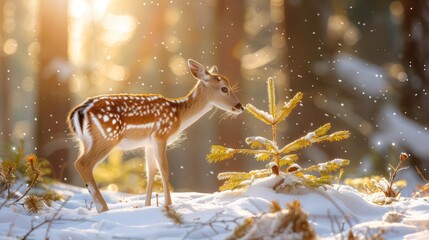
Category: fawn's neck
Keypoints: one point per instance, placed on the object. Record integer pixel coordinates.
(194, 105)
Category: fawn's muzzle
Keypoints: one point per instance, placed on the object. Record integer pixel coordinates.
(238, 107)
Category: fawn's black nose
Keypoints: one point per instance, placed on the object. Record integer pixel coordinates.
(238, 107)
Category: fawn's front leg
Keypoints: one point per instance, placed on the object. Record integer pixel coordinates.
(150, 173)
(85, 166)
(160, 148)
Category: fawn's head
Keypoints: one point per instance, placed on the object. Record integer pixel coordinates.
(218, 88)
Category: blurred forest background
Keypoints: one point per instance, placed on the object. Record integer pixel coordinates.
(361, 64)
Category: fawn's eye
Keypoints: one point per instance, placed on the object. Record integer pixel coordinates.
(224, 89)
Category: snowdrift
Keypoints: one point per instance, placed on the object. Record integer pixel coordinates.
(332, 212)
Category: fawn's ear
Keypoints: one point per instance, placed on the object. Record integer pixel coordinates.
(198, 70)
(214, 69)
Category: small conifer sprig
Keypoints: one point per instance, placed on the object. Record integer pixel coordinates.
(7, 176)
(282, 159)
(33, 170)
(35, 203)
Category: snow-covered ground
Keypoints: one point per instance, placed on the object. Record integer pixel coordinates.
(214, 216)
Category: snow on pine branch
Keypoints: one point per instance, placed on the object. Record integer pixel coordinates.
(259, 114)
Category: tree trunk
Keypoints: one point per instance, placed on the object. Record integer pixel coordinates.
(5, 128)
(4, 91)
(415, 101)
(53, 99)
(229, 35)
(414, 92)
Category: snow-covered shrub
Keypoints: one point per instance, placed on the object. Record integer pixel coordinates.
(282, 159)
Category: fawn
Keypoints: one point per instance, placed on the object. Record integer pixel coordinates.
(130, 121)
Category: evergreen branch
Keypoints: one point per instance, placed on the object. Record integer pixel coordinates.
(7, 175)
(239, 180)
(271, 97)
(315, 182)
(259, 114)
(235, 180)
(259, 142)
(33, 182)
(232, 185)
(304, 141)
(315, 137)
(299, 143)
(10, 194)
(322, 130)
(288, 107)
(219, 153)
(229, 175)
(242, 175)
(263, 156)
(256, 142)
(33, 203)
(33, 171)
(330, 166)
(334, 137)
(288, 160)
(251, 151)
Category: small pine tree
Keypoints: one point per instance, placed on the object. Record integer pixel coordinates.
(283, 160)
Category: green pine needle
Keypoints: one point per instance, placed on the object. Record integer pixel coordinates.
(330, 166)
(272, 97)
(263, 156)
(219, 153)
(259, 114)
(296, 145)
(322, 130)
(261, 142)
(288, 107)
(288, 160)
